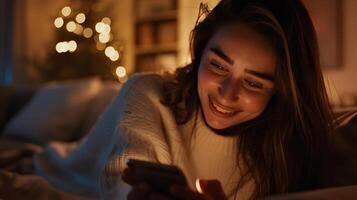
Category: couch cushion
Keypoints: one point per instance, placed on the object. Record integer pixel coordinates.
(104, 97)
(54, 113)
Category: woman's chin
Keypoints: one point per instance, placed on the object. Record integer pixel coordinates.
(216, 125)
(221, 128)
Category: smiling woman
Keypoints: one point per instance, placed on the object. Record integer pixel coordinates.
(248, 117)
(255, 75)
(235, 76)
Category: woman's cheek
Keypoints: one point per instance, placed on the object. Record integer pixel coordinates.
(255, 100)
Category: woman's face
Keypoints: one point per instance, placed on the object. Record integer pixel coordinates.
(236, 76)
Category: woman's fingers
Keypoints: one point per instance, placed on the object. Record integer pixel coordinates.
(212, 188)
(127, 176)
(139, 192)
(208, 190)
(183, 192)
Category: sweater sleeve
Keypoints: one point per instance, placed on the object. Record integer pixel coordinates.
(140, 133)
(130, 127)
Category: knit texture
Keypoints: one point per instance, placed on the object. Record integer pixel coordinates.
(137, 125)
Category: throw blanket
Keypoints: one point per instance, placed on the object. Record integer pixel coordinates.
(17, 180)
(77, 167)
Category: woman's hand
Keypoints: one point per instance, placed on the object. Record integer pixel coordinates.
(207, 190)
(140, 191)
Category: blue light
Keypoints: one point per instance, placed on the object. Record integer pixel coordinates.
(8, 75)
(6, 37)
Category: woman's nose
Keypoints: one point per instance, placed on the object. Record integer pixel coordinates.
(229, 90)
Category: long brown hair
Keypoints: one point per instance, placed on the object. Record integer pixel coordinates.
(282, 147)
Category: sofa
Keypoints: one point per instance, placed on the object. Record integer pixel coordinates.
(33, 116)
(63, 111)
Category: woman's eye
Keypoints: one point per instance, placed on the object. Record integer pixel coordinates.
(218, 68)
(253, 84)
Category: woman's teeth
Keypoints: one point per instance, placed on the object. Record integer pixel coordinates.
(222, 110)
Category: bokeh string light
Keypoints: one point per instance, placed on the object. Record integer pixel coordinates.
(80, 18)
(63, 47)
(71, 26)
(87, 32)
(121, 73)
(102, 37)
(58, 22)
(66, 11)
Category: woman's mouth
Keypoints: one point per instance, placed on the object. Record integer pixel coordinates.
(219, 110)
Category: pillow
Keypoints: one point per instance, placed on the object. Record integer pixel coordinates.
(100, 102)
(54, 113)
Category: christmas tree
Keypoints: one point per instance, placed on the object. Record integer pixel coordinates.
(84, 44)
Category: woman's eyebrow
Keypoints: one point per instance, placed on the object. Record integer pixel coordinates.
(261, 75)
(218, 51)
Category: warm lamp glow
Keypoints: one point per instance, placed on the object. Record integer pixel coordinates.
(80, 18)
(58, 22)
(71, 26)
(87, 32)
(66, 11)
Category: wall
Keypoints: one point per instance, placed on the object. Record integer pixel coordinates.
(33, 33)
(188, 12)
(342, 83)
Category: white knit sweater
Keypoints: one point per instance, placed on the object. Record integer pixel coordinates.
(151, 133)
(137, 125)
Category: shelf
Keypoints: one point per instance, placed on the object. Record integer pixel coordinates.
(154, 49)
(161, 16)
(155, 30)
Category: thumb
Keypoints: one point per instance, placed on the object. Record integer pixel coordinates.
(212, 188)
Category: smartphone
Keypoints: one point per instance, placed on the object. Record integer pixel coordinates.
(158, 176)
